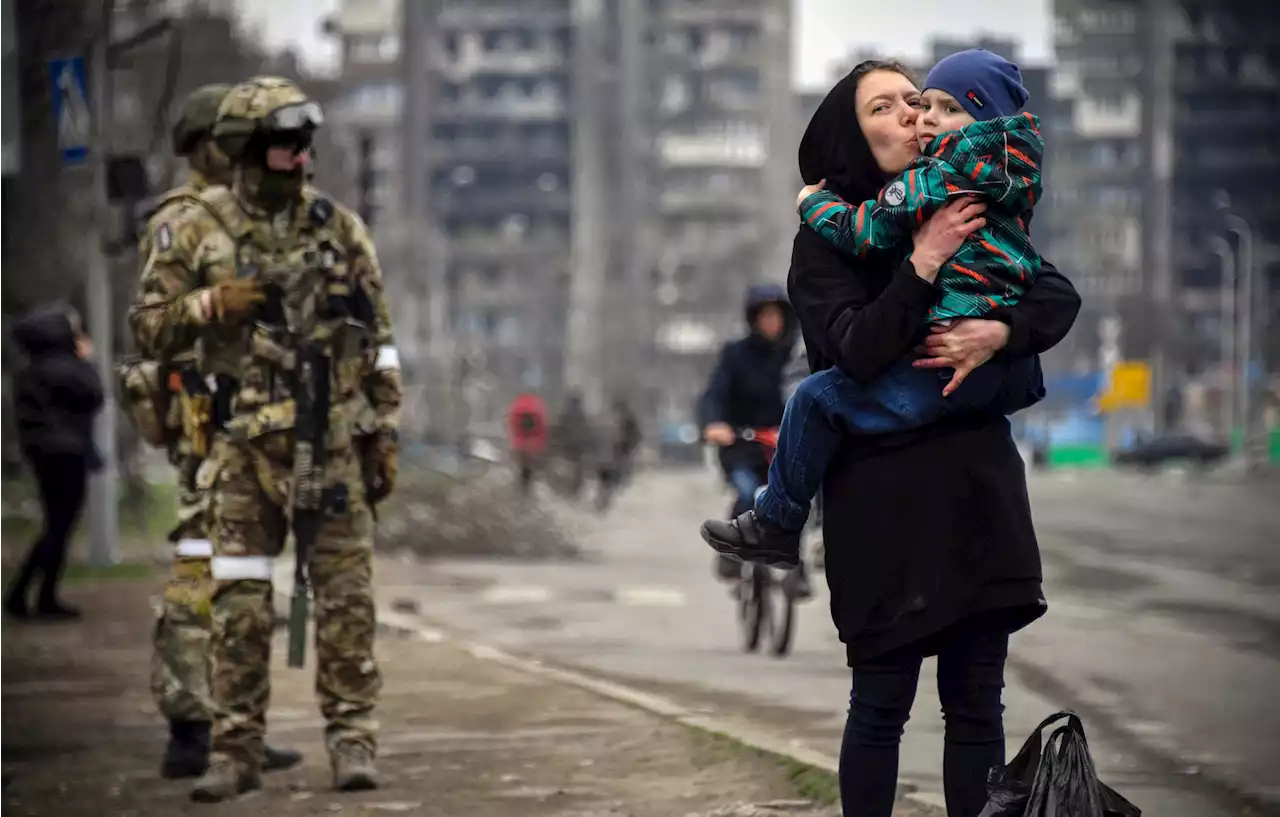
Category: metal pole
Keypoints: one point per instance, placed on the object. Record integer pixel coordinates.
(1157, 211)
(104, 532)
(1227, 259)
(589, 232)
(1245, 336)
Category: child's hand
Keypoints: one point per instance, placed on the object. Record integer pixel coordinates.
(808, 190)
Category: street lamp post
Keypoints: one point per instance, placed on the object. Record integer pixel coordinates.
(1227, 258)
(1247, 271)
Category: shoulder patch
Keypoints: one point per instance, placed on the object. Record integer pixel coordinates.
(321, 211)
(895, 194)
(164, 237)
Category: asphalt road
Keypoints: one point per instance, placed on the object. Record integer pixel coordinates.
(1163, 630)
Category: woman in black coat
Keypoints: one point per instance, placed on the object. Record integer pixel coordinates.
(930, 549)
(57, 394)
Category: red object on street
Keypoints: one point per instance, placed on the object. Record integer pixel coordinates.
(527, 424)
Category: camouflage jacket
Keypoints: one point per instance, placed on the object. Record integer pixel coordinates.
(170, 208)
(320, 258)
(997, 160)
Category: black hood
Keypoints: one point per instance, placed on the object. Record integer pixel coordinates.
(762, 295)
(833, 147)
(44, 332)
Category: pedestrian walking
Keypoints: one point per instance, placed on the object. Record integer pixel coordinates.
(57, 395)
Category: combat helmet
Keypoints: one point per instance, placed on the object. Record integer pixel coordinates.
(261, 107)
(196, 120)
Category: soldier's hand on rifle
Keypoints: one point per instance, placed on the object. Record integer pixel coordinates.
(382, 464)
(228, 300)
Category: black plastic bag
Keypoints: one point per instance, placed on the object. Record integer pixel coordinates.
(1056, 781)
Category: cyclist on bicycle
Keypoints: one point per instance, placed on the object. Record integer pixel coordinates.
(746, 391)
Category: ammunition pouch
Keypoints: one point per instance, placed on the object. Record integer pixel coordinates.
(143, 391)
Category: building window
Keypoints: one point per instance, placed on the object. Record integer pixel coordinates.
(375, 48)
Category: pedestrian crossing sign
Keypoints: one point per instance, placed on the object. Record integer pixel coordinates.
(71, 114)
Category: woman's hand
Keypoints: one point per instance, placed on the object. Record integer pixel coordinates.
(808, 190)
(84, 347)
(964, 345)
(718, 434)
(943, 233)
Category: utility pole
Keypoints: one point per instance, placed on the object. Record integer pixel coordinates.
(104, 531)
(1227, 297)
(1157, 207)
(424, 244)
(588, 229)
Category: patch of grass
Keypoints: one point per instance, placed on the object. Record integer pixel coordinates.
(809, 782)
(77, 572)
(147, 512)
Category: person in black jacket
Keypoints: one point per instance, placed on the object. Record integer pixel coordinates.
(57, 394)
(746, 391)
(929, 543)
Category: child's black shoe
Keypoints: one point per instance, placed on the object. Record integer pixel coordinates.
(753, 539)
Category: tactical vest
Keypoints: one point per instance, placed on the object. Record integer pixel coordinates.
(312, 296)
(145, 387)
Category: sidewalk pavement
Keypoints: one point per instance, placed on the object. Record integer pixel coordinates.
(460, 736)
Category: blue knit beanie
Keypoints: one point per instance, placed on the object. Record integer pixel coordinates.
(986, 84)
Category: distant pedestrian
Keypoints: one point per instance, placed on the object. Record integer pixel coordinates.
(57, 394)
(527, 432)
(621, 437)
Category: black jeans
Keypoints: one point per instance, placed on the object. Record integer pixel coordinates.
(971, 659)
(63, 481)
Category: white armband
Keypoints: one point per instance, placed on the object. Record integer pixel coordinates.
(388, 359)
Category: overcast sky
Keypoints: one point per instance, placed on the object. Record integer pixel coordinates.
(825, 31)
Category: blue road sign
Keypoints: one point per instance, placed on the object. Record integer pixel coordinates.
(71, 112)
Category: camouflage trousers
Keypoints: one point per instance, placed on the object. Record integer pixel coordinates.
(248, 521)
(180, 639)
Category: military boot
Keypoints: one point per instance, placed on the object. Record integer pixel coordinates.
(353, 768)
(275, 760)
(187, 754)
(223, 780)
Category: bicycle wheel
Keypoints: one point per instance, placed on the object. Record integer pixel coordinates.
(753, 606)
(782, 615)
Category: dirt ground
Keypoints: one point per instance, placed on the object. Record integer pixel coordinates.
(461, 736)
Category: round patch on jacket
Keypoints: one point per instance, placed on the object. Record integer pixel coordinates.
(895, 194)
(321, 211)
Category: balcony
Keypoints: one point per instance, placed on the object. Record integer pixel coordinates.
(681, 201)
(462, 14)
(546, 244)
(531, 108)
(715, 14)
(501, 201)
(472, 62)
(480, 151)
(711, 150)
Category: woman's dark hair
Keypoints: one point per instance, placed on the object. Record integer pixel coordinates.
(871, 66)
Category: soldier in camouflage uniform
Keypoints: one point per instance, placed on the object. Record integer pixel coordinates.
(272, 246)
(180, 661)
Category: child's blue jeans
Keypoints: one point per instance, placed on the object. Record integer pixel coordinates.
(828, 405)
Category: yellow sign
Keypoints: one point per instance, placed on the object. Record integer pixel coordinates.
(1130, 387)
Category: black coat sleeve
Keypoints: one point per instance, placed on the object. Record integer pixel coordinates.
(1043, 317)
(859, 330)
(713, 406)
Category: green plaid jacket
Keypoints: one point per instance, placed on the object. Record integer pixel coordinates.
(998, 160)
